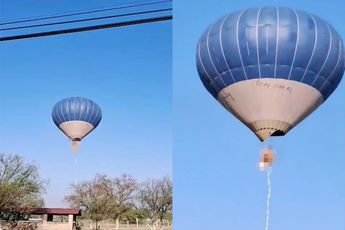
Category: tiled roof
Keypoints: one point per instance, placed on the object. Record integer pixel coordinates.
(55, 211)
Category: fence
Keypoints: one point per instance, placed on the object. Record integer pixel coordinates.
(110, 225)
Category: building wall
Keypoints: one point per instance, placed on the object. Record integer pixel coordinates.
(55, 226)
(46, 225)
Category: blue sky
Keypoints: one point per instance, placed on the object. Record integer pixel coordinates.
(217, 184)
(127, 71)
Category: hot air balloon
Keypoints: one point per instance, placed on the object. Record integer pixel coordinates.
(76, 117)
(270, 66)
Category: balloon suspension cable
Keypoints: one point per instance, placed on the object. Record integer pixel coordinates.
(268, 198)
(75, 170)
(265, 164)
(75, 146)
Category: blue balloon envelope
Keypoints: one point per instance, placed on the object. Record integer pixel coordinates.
(270, 66)
(76, 117)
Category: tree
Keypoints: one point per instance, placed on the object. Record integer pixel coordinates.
(91, 198)
(156, 197)
(104, 197)
(121, 198)
(120, 191)
(20, 186)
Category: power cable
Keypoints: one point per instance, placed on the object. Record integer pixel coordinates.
(88, 28)
(82, 13)
(85, 20)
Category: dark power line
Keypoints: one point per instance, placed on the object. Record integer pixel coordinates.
(82, 13)
(85, 20)
(88, 28)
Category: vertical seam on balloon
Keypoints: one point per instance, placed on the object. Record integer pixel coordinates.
(64, 119)
(296, 47)
(203, 67)
(56, 111)
(277, 44)
(328, 53)
(257, 41)
(335, 67)
(312, 54)
(209, 53)
(221, 47)
(266, 39)
(55, 115)
(92, 112)
(238, 43)
(340, 52)
(87, 109)
(93, 120)
(80, 103)
(75, 108)
(247, 43)
(99, 115)
(69, 117)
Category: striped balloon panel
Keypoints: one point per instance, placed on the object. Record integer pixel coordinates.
(77, 109)
(271, 42)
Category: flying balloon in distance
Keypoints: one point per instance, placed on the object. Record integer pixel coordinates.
(270, 66)
(76, 117)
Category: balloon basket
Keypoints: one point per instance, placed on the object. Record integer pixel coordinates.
(75, 146)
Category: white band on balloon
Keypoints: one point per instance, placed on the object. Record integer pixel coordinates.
(267, 105)
(76, 130)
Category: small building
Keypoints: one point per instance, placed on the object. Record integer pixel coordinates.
(56, 218)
